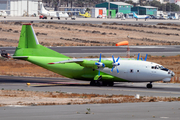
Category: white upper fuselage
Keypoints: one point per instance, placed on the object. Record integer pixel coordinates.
(54, 14)
(139, 71)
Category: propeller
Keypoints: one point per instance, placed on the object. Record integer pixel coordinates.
(99, 64)
(115, 64)
(141, 57)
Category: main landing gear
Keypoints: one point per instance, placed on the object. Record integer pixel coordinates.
(149, 85)
(101, 83)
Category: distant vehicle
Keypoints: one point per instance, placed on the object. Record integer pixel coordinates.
(86, 15)
(99, 16)
(173, 16)
(140, 16)
(54, 14)
(163, 16)
(42, 17)
(5, 54)
(152, 17)
(3, 13)
(120, 15)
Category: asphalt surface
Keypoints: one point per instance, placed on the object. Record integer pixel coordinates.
(84, 51)
(76, 86)
(123, 111)
(89, 20)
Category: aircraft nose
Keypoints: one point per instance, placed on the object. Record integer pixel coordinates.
(172, 74)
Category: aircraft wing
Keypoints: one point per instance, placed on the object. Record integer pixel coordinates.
(74, 61)
(19, 56)
(67, 61)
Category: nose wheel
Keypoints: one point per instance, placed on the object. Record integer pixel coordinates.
(149, 85)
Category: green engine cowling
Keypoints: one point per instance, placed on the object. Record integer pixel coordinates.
(91, 63)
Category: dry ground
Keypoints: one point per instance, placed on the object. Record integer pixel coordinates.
(21, 97)
(51, 34)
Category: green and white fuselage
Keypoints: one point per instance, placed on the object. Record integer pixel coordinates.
(129, 70)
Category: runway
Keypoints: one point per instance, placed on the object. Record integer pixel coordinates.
(122, 111)
(84, 51)
(88, 20)
(125, 111)
(76, 86)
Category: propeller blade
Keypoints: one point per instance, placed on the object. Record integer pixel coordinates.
(141, 58)
(96, 63)
(146, 57)
(117, 59)
(117, 70)
(100, 58)
(113, 59)
(99, 72)
(112, 69)
(103, 65)
(138, 56)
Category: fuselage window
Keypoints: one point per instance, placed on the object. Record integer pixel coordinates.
(131, 70)
(137, 70)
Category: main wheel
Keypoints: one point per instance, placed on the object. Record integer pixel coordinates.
(104, 83)
(110, 83)
(92, 83)
(149, 85)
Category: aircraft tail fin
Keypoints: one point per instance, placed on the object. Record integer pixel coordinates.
(29, 45)
(42, 8)
(134, 14)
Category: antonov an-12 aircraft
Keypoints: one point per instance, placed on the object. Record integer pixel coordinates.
(140, 16)
(104, 71)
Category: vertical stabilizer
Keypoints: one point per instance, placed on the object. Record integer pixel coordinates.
(42, 9)
(29, 45)
(27, 38)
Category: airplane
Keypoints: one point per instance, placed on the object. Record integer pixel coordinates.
(140, 16)
(86, 15)
(3, 13)
(99, 71)
(54, 14)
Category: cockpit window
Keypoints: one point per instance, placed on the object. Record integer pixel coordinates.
(159, 67)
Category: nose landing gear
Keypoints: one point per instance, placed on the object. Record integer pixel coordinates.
(149, 85)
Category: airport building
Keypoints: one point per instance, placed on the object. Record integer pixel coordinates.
(20, 7)
(144, 10)
(115, 7)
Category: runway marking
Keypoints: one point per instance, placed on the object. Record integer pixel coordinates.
(16, 106)
(104, 49)
(57, 84)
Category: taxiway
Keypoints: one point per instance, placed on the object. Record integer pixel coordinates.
(75, 86)
(84, 51)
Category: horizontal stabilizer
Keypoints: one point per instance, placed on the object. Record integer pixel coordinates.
(19, 57)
